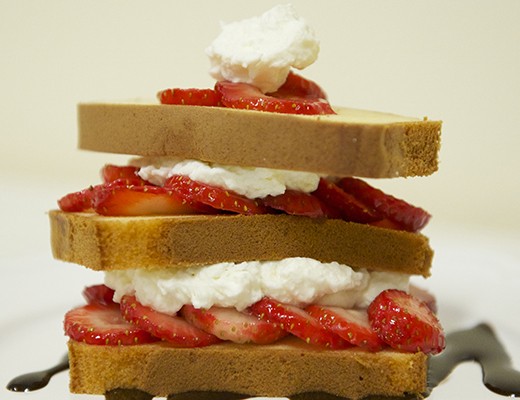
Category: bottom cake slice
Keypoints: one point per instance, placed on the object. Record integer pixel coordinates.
(285, 369)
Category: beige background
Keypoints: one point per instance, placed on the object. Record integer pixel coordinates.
(458, 61)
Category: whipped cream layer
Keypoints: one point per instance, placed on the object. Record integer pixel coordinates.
(250, 182)
(261, 50)
(297, 281)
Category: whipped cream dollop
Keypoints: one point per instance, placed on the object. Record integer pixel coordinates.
(261, 50)
(247, 181)
(297, 281)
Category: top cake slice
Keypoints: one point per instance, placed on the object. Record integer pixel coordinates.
(351, 143)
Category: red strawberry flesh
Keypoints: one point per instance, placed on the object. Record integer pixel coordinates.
(77, 201)
(171, 328)
(111, 173)
(230, 324)
(299, 87)
(248, 97)
(99, 294)
(193, 97)
(405, 323)
(298, 323)
(293, 202)
(99, 324)
(411, 218)
(344, 204)
(192, 192)
(132, 200)
(351, 325)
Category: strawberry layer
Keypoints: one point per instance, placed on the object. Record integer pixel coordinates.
(103, 322)
(182, 188)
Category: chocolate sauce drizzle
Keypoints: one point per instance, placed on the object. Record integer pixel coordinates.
(478, 344)
(37, 380)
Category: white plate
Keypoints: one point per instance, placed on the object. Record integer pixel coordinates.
(475, 278)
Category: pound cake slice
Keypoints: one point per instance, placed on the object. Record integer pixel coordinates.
(287, 367)
(242, 254)
(350, 143)
(106, 243)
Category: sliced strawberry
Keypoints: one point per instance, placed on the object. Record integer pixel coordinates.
(77, 201)
(127, 200)
(387, 224)
(98, 294)
(164, 326)
(193, 192)
(230, 324)
(296, 203)
(111, 173)
(193, 97)
(248, 97)
(131, 181)
(297, 322)
(411, 218)
(298, 86)
(83, 200)
(103, 325)
(351, 325)
(345, 204)
(405, 323)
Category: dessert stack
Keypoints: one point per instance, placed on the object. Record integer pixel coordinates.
(242, 249)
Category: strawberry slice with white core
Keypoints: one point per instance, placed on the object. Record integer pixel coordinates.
(296, 203)
(351, 325)
(189, 97)
(192, 192)
(171, 328)
(405, 323)
(248, 97)
(132, 200)
(298, 323)
(411, 218)
(99, 324)
(230, 324)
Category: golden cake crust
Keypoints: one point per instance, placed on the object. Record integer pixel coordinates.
(282, 369)
(108, 243)
(351, 143)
